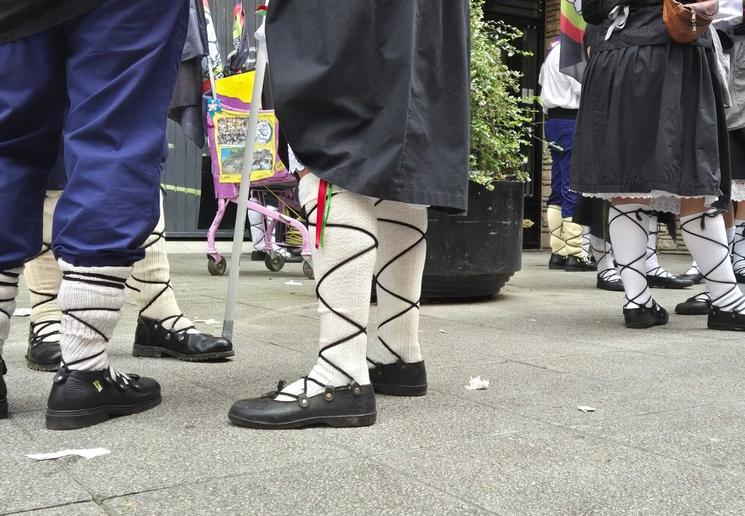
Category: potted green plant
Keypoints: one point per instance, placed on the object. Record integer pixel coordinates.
(474, 255)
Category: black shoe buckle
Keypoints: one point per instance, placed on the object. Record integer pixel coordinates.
(62, 373)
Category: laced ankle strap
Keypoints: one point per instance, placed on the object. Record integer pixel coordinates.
(634, 216)
(735, 306)
(41, 331)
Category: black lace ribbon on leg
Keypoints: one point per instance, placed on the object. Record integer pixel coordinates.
(635, 217)
(411, 304)
(171, 320)
(360, 329)
(13, 276)
(735, 306)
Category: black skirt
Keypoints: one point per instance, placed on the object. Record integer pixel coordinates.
(652, 119)
(737, 151)
(374, 95)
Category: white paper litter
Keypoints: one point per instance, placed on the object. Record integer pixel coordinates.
(293, 283)
(205, 321)
(444, 332)
(477, 384)
(86, 454)
(585, 408)
(22, 312)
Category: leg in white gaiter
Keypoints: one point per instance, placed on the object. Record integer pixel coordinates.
(162, 328)
(628, 227)
(8, 293)
(738, 249)
(706, 238)
(87, 390)
(43, 277)
(657, 275)
(608, 276)
(337, 390)
(395, 356)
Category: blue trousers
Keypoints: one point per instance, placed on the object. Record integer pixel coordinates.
(560, 132)
(102, 82)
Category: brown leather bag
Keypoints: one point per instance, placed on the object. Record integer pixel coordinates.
(686, 21)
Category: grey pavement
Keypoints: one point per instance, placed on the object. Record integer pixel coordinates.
(667, 436)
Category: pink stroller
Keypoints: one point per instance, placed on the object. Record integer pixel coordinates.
(270, 180)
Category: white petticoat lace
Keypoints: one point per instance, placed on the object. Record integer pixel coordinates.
(659, 200)
(738, 190)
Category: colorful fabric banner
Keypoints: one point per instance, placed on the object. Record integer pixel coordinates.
(573, 58)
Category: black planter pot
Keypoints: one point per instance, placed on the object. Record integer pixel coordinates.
(474, 255)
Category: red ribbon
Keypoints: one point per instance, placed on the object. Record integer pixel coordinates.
(321, 211)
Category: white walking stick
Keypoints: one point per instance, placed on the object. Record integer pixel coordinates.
(248, 159)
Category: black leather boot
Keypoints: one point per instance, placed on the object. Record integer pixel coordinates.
(399, 379)
(152, 339)
(85, 398)
(641, 318)
(42, 353)
(3, 391)
(557, 262)
(347, 406)
(610, 280)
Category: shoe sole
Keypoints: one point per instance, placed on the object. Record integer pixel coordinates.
(609, 289)
(667, 287)
(556, 267)
(579, 269)
(400, 390)
(350, 421)
(725, 327)
(82, 418)
(158, 352)
(3, 409)
(643, 325)
(45, 368)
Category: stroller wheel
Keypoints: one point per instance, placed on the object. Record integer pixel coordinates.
(216, 267)
(308, 270)
(274, 261)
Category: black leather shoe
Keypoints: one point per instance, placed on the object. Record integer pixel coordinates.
(85, 398)
(739, 276)
(727, 321)
(400, 379)
(577, 264)
(611, 282)
(153, 340)
(557, 262)
(258, 256)
(695, 278)
(43, 354)
(3, 391)
(700, 304)
(348, 406)
(672, 282)
(640, 318)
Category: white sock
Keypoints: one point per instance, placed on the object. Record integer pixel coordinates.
(399, 269)
(8, 293)
(738, 248)
(602, 251)
(694, 270)
(90, 299)
(555, 223)
(151, 283)
(653, 264)
(628, 228)
(345, 287)
(708, 245)
(258, 229)
(43, 277)
(586, 246)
